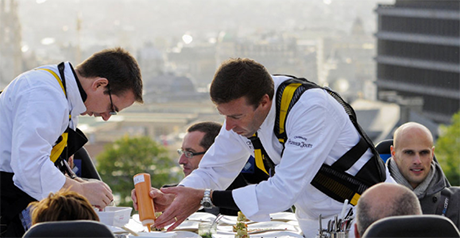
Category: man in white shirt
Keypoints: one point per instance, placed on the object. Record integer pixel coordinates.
(318, 130)
(38, 117)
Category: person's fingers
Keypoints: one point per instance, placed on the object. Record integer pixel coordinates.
(134, 198)
(107, 187)
(169, 216)
(102, 205)
(154, 193)
(165, 219)
(170, 190)
(177, 223)
(110, 198)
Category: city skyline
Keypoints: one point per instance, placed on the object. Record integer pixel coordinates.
(48, 23)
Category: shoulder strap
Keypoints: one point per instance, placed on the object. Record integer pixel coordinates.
(332, 180)
(288, 93)
(293, 88)
(62, 142)
(57, 78)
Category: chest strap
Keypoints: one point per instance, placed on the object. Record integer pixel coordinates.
(262, 160)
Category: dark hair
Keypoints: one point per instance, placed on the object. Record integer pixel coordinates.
(119, 67)
(211, 130)
(241, 77)
(62, 206)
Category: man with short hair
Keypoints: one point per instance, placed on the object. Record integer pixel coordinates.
(319, 133)
(412, 164)
(384, 200)
(196, 142)
(39, 113)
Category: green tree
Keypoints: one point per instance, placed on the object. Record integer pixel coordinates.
(448, 150)
(126, 157)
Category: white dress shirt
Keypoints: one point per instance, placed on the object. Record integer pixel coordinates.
(34, 112)
(319, 131)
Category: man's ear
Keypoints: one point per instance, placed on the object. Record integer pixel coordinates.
(393, 151)
(265, 101)
(98, 82)
(356, 231)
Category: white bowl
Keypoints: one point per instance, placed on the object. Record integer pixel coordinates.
(115, 216)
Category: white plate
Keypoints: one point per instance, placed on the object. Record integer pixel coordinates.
(187, 226)
(202, 216)
(157, 234)
(116, 230)
(277, 234)
(270, 226)
(186, 234)
(283, 216)
(135, 225)
(261, 227)
(231, 220)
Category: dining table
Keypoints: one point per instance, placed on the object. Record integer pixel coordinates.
(281, 224)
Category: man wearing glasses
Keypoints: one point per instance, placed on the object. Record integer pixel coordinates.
(38, 128)
(196, 142)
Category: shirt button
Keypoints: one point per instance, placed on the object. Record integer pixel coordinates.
(435, 199)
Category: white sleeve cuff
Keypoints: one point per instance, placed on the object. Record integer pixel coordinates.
(246, 200)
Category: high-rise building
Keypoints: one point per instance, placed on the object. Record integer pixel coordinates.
(418, 56)
(10, 42)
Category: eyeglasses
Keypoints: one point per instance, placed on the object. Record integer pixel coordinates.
(113, 112)
(189, 154)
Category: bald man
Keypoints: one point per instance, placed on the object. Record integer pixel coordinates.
(384, 200)
(413, 166)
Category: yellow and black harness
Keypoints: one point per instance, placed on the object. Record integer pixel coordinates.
(61, 143)
(14, 200)
(70, 141)
(330, 179)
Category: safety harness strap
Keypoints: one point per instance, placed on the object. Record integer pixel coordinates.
(61, 143)
(348, 159)
(262, 159)
(331, 180)
(338, 185)
(60, 152)
(286, 98)
(57, 78)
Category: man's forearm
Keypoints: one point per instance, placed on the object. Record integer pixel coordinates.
(223, 199)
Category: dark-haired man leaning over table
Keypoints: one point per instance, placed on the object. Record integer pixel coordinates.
(317, 134)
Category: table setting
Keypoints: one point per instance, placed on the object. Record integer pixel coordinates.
(202, 224)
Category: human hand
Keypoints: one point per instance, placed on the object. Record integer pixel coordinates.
(160, 200)
(70, 161)
(97, 192)
(186, 202)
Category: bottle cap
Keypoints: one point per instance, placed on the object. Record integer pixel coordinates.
(148, 222)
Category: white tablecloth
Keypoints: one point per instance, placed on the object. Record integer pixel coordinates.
(282, 224)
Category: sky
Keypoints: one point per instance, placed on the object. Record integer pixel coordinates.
(138, 21)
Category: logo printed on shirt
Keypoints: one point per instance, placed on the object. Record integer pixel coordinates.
(300, 137)
(249, 143)
(301, 144)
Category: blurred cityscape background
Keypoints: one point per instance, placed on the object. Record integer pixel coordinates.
(393, 60)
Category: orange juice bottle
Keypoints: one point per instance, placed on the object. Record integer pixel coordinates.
(144, 201)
